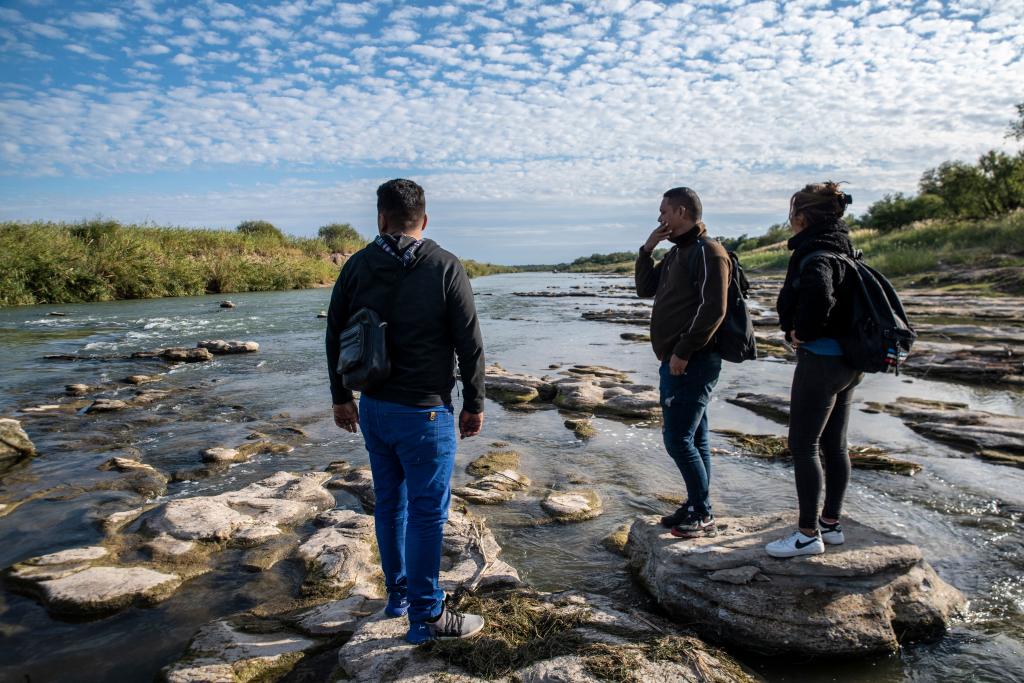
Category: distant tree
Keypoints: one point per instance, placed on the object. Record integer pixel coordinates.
(342, 237)
(260, 229)
(994, 186)
(1017, 127)
(896, 210)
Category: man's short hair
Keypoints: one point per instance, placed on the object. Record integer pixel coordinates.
(688, 199)
(402, 203)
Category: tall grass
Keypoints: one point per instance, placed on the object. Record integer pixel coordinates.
(924, 246)
(103, 260)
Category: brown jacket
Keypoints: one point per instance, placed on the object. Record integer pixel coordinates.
(688, 306)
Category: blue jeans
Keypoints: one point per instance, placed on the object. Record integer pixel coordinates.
(412, 454)
(684, 409)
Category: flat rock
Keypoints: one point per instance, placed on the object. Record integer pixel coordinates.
(583, 428)
(77, 389)
(772, 447)
(341, 554)
(220, 347)
(222, 454)
(572, 506)
(249, 515)
(98, 590)
(222, 652)
(856, 599)
(106, 405)
(505, 387)
(497, 487)
(772, 406)
(587, 638)
(988, 435)
(493, 461)
(143, 379)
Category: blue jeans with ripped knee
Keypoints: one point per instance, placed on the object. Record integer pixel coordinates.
(684, 408)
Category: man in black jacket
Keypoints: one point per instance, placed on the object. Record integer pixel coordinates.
(423, 294)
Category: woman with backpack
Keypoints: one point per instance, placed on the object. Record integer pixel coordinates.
(815, 310)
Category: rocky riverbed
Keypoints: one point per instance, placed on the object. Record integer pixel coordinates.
(209, 514)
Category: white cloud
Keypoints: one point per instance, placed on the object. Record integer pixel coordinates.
(99, 20)
(182, 59)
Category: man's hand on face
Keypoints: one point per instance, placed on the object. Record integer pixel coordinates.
(346, 416)
(470, 424)
(677, 365)
(660, 233)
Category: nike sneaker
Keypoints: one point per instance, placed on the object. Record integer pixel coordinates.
(796, 544)
(694, 526)
(680, 515)
(831, 534)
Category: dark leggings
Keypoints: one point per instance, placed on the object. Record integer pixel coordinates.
(819, 413)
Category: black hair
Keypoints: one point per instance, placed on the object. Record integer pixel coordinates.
(402, 202)
(820, 202)
(687, 198)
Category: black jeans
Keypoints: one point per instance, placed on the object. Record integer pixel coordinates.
(819, 413)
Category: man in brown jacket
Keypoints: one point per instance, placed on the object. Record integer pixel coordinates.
(689, 287)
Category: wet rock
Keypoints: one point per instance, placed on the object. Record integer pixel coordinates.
(497, 487)
(858, 598)
(582, 428)
(263, 557)
(44, 408)
(340, 617)
(143, 379)
(69, 583)
(178, 354)
(550, 295)
(56, 314)
(77, 389)
(616, 541)
(342, 555)
(227, 304)
(992, 436)
(338, 467)
(541, 638)
(222, 454)
(608, 397)
(771, 406)
(252, 448)
(469, 555)
(106, 405)
(167, 548)
(220, 347)
(598, 372)
(635, 336)
(14, 443)
(773, 447)
(622, 316)
(510, 387)
(493, 461)
(572, 506)
(359, 482)
(322, 314)
(221, 652)
(976, 364)
(116, 521)
(144, 479)
(247, 516)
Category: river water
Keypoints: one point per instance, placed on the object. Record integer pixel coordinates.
(964, 513)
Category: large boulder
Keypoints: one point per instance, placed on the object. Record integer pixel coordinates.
(859, 598)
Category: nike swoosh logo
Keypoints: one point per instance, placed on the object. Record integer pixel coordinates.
(801, 546)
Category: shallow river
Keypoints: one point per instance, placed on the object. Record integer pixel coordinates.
(964, 513)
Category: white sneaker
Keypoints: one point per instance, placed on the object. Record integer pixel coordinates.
(796, 544)
(831, 534)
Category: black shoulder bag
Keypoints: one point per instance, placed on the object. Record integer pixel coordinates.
(363, 362)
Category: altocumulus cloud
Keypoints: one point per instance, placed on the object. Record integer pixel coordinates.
(522, 117)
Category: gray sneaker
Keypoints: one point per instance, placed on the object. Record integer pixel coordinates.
(451, 625)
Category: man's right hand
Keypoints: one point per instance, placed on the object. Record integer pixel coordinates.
(660, 233)
(346, 416)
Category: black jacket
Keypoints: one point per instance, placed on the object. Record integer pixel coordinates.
(818, 302)
(431, 318)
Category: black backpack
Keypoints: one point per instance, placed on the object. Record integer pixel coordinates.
(880, 334)
(734, 338)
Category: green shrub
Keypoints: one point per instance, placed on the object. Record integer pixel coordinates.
(342, 237)
(260, 229)
(896, 210)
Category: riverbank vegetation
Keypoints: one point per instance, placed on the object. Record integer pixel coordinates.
(103, 260)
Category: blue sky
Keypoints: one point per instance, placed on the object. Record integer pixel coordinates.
(541, 131)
